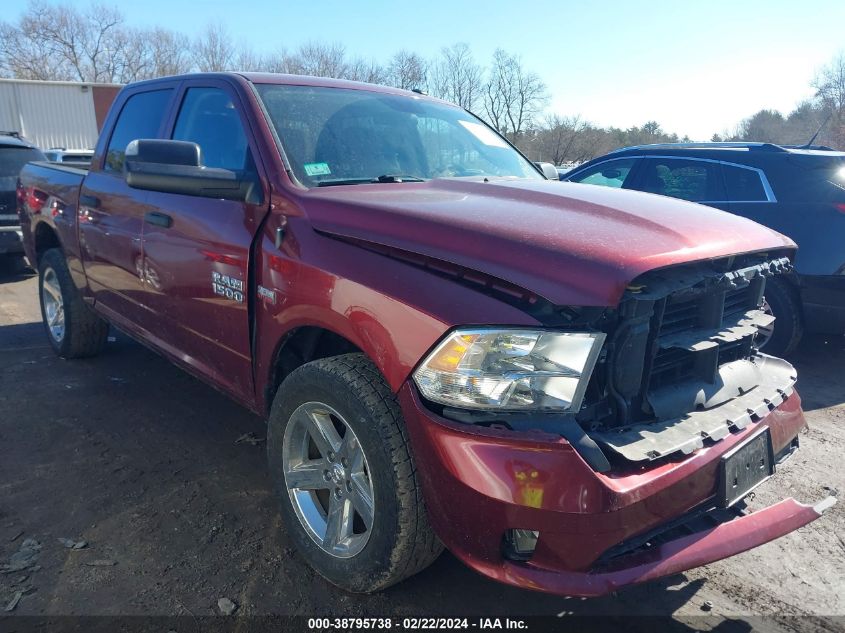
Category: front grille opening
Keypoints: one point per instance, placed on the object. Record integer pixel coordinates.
(665, 361)
(679, 316)
(738, 302)
(671, 366)
(698, 316)
(680, 334)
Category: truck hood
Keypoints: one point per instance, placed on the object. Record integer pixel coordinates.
(569, 243)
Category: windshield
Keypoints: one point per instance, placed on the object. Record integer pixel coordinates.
(12, 160)
(342, 136)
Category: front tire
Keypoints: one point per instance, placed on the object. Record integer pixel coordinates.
(784, 303)
(341, 465)
(73, 329)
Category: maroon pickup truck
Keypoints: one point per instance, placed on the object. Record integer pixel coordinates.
(559, 383)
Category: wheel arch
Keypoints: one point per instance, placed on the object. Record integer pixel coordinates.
(45, 237)
(302, 345)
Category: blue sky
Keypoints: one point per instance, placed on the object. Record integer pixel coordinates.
(697, 67)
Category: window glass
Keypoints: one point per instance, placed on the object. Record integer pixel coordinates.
(695, 180)
(449, 151)
(341, 136)
(209, 118)
(140, 117)
(12, 160)
(613, 173)
(743, 185)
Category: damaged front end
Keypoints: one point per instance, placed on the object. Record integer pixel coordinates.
(627, 497)
(682, 364)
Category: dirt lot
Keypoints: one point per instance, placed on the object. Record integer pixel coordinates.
(141, 461)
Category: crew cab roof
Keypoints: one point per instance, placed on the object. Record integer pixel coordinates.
(291, 80)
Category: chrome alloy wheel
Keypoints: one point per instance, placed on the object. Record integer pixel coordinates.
(54, 307)
(328, 479)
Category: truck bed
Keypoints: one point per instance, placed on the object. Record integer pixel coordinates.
(50, 195)
(52, 178)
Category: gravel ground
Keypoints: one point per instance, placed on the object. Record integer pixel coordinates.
(141, 462)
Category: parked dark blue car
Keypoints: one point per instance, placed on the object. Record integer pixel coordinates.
(15, 152)
(798, 191)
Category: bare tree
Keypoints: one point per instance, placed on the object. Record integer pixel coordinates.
(513, 96)
(559, 136)
(168, 53)
(498, 90)
(102, 41)
(830, 84)
(26, 56)
(319, 60)
(278, 62)
(214, 50)
(61, 42)
(365, 70)
(247, 60)
(830, 91)
(407, 70)
(456, 77)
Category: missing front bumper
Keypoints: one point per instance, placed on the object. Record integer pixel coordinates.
(773, 381)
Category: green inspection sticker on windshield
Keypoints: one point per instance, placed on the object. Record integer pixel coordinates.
(317, 169)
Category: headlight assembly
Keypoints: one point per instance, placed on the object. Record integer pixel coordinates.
(511, 369)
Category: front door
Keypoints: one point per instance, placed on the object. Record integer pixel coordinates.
(197, 249)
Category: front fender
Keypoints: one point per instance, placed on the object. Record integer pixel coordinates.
(391, 310)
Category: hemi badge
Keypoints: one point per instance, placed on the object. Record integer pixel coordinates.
(267, 295)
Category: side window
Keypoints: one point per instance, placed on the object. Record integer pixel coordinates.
(743, 185)
(613, 173)
(696, 180)
(209, 118)
(140, 117)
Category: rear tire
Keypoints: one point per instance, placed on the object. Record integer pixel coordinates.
(73, 329)
(785, 304)
(380, 543)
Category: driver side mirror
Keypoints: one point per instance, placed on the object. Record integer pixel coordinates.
(176, 167)
(549, 171)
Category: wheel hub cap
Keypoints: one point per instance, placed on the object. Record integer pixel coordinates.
(338, 474)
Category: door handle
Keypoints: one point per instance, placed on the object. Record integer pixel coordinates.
(158, 219)
(89, 201)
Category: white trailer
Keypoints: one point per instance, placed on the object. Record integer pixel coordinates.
(55, 114)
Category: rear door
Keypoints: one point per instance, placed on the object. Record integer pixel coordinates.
(801, 196)
(197, 250)
(693, 179)
(751, 195)
(111, 213)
